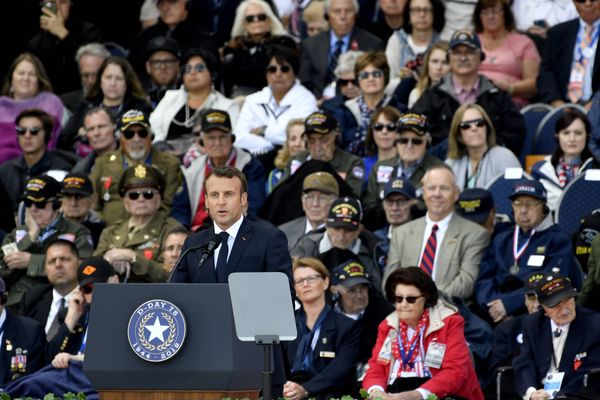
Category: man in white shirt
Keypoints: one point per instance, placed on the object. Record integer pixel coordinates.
(560, 345)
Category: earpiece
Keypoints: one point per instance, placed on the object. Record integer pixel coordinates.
(232, 138)
(546, 209)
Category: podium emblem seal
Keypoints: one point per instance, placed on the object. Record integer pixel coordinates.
(156, 330)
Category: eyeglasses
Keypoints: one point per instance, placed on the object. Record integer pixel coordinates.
(39, 205)
(271, 69)
(414, 141)
(464, 54)
(346, 82)
(479, 122)
(318, 197)
(366, 74)
(409, 299)
(527, 204)
(256, 17)
(397, 202)
(130, 133)
(421, 10)
(311, 280)
(199, 68)
(391, 127)
(87, 289)
(148, 194)
(22, 130)
(583, 1)
(167, 62)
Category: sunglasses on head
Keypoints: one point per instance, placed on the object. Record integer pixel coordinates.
(87, 289)
(346, 82)
(479, 122)
(189, 68)
(255, 17)
(134, 195)
(271, 69)
(391, 127)
(409, 299)
(405, 140)
(366, 74)
(21, 130)
(129, 134)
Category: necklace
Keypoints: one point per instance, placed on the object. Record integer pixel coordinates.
(189, 121)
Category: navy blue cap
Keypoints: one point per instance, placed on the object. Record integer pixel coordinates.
(526, 187)
(401, 186)
(465, 37)
(475, 204)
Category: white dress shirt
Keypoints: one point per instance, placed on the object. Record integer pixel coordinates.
(232, 231)
(55, 306)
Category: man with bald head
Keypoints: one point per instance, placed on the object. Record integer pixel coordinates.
(443, 244)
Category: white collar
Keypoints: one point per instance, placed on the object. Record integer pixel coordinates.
(232, 230)
(442, 224)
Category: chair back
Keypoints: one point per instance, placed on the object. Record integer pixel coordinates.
(500, 187)
(533, 114)
(544, 142)
(580, 197)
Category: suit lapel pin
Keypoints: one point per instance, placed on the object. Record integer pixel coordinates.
(324, 340)
(9, 346)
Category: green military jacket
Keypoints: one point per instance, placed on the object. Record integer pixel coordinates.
(147, 244)
(108, 170)
(21, 280)
(350, 167)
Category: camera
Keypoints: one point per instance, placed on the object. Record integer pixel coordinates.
(50, 5)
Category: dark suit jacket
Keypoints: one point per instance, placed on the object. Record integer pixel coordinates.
(314, 63)
(36, 303)
(258, 247)
(24, 334)
(557, 58)
(339, 338)
(533, 361)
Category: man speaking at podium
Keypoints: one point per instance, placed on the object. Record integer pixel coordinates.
(234, 243)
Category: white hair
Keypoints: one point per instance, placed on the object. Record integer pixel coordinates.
(354, 3)
(277, 28)
(93, 49)
(346, 62)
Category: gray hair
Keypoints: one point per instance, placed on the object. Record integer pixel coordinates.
(277, 28)
(93, 49)
(346, 62)
(354, 3)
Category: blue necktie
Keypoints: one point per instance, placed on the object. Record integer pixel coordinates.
(222, 260)
(334, 60)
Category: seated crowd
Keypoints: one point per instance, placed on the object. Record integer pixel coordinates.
(365, 134)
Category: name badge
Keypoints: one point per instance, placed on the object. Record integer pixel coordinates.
(383, 173)
(435, 355)
(535, 260)
(327, 354)
(553, 383)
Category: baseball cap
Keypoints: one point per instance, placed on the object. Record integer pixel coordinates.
(320, 122)
(41, 188)
(553, 288)
(475, 204)
(401, 186)
(141, 176)
(349, 274)
(532, 280)
(345, 212)
(215, 119)
(162, 43)
(465, 37)
(94, 270)
(77, 183)
(526, 187)
(321, 181)
(416, 123)
(133, 117)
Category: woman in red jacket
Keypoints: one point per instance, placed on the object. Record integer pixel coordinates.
(421, 347)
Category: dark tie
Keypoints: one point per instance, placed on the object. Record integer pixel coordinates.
(429, 253)
(557, 332)
(55, 325)
(334, 60)
(222, 260)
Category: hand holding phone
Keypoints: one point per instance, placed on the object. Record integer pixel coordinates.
(49, 5)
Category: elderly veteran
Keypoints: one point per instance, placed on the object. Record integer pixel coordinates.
(133, 245)
(22, 264)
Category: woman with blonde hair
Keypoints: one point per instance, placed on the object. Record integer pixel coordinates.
(472, 151)
(294, 144)
(435, 67)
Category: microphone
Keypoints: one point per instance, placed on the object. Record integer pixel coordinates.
(214, 242)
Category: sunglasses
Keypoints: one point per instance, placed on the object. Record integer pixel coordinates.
(87, 289)
(366, 74)
(391, 127)
(479, 122)
(254, 18)
(271, 69)
(21, 130)
(583, 1)
(129, 134)
(414, 141)
(346, 82)
(188, 68)
(409, 299)
(148, 194)
(39, 205)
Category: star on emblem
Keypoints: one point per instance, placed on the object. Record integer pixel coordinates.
(156, 330)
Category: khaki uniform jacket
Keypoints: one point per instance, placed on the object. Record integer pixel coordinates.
(146, 242)
(108, 170)
(21, 280)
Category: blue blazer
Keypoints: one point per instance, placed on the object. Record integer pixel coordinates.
(533, 361)
(258, 247)
(339, 337)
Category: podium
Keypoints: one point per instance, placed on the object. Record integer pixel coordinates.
(211, 362)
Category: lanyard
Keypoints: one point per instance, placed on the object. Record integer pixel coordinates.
(580, 53)
(407, 357)
(517, 253)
